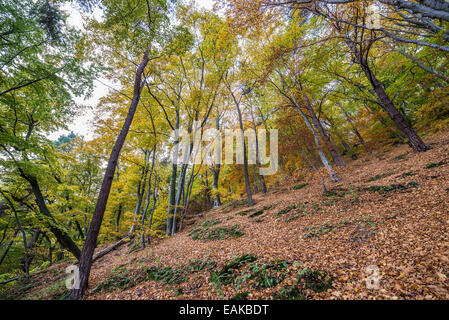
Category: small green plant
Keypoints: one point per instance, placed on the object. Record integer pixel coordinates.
(300, 186)
(218, 233)
(316, 280)
(244, 212)
(57, 291)
(316, 232)
(241, 296)
(118, 278)
(167, 275)
(400, 157)
(199, 265)
(178, 291)
(210, 223)
(289, 293)
(286, 210)
(434, 164)
(379, 176)
(407, 174)
(263, 275)
(412, 184)
(226, 274)
(392, 187)
(339, 192)
(257, 213)
(291, 217)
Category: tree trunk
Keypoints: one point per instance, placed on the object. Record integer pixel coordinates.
(8, 246)
(263, 186)
(399, 120)
(357, 133)
(216, 171)
(245, 158)
(172, 190)
(62, 236)
(27, 258)
(336, 156)
(144, 214)
(117, 218)
(91, 240)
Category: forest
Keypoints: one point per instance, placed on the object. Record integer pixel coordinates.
(339, 110)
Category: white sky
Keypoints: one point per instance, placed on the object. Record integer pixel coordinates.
(82, 122)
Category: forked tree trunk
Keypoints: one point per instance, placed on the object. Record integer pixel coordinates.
(91, 240)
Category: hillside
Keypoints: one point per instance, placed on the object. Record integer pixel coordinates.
(390, 210)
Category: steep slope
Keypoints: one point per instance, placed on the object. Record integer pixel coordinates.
(390, 212)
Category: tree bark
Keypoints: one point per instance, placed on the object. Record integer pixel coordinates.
(28, 258)
(62, 236)
(336, 156)
(357, 133)
(399, 120)
(91, 240)
(172, 190)
(245, 157)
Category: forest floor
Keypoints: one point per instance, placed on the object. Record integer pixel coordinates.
(388, 216)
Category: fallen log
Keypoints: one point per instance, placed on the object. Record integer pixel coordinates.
(112, 247)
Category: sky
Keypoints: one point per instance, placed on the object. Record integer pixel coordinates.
(81, 125)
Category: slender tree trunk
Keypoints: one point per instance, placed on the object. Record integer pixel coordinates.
(91, 240)
(189, 191)
(354, 128)
(323, 158)
(245, 157)
(117, 218)
(155, 190)
(172, 190)
(144, 214)
(336, 156)
(140, 194)
(399, 120)
(28, 258)
(263, 186)
(182, 175)
(216, 171)
(8, 246)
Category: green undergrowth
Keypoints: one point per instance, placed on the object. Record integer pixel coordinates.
(380, 176)
(300, 186)
(218, 233)
(433, 165)
(304, 283)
